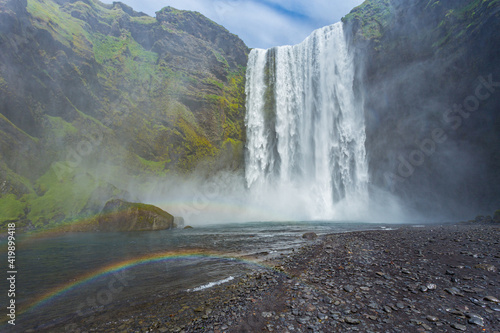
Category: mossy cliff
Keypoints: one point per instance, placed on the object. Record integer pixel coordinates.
(88, 88)
(429, 73)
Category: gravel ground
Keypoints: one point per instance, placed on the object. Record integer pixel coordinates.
(429, 279)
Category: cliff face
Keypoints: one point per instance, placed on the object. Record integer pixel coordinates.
(87, 87)
(430, 75)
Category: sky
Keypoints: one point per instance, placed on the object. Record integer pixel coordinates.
(260, 23)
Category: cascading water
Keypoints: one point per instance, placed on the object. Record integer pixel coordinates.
(305, 128)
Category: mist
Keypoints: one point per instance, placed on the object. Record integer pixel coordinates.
(413, 132)
(432, 128)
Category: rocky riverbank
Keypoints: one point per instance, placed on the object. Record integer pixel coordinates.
(425, 279)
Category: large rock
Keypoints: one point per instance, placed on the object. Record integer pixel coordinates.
(119, 215)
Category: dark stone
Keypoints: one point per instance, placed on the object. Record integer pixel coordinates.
(119, 215)
(459, 327)
(310, 236)
(352, 321)
(349, 288)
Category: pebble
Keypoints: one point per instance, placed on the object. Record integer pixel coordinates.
(352, 321)
(454, 291)
(485, 267)
(431, 286)
(476, 319)
(315, 299)
(322, 316)
(432, 319)
(349, 288)
(491, 299)
(459, 327)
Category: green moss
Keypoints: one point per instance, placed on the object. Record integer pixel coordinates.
(155, 167)
(14, 178)
(143, 20)
(3, 118)
(126, 64)
(372, 17)
(11, 209)
(59, 199)
(214, 82)
(462, 21)
(163, 117)
(61, 25)
(220, 58)
(59, 127)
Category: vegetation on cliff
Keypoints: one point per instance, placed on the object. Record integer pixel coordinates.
(95, 93)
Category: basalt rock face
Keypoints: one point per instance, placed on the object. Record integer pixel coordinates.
(429, 73)
(119, 215)
(87, 87)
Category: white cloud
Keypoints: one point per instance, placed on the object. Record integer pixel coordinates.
(260, 23)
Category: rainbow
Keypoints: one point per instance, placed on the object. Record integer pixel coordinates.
(127, 264)
(217, 209)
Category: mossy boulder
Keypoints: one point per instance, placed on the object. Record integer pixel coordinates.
(119, 215)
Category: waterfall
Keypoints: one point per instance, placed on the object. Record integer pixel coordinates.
(305, 127)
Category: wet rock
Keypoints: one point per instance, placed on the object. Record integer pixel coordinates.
(454, 291)
(492, 299)
(432, 319)
(349, 288)
(456, 313)
(477, 302)
(322, 316)
(475, 319)
(486, 267)
(352, 321)
(458, 326)
(310, 236)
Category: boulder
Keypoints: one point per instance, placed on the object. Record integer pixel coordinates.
(310, 236)
(119, 215)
